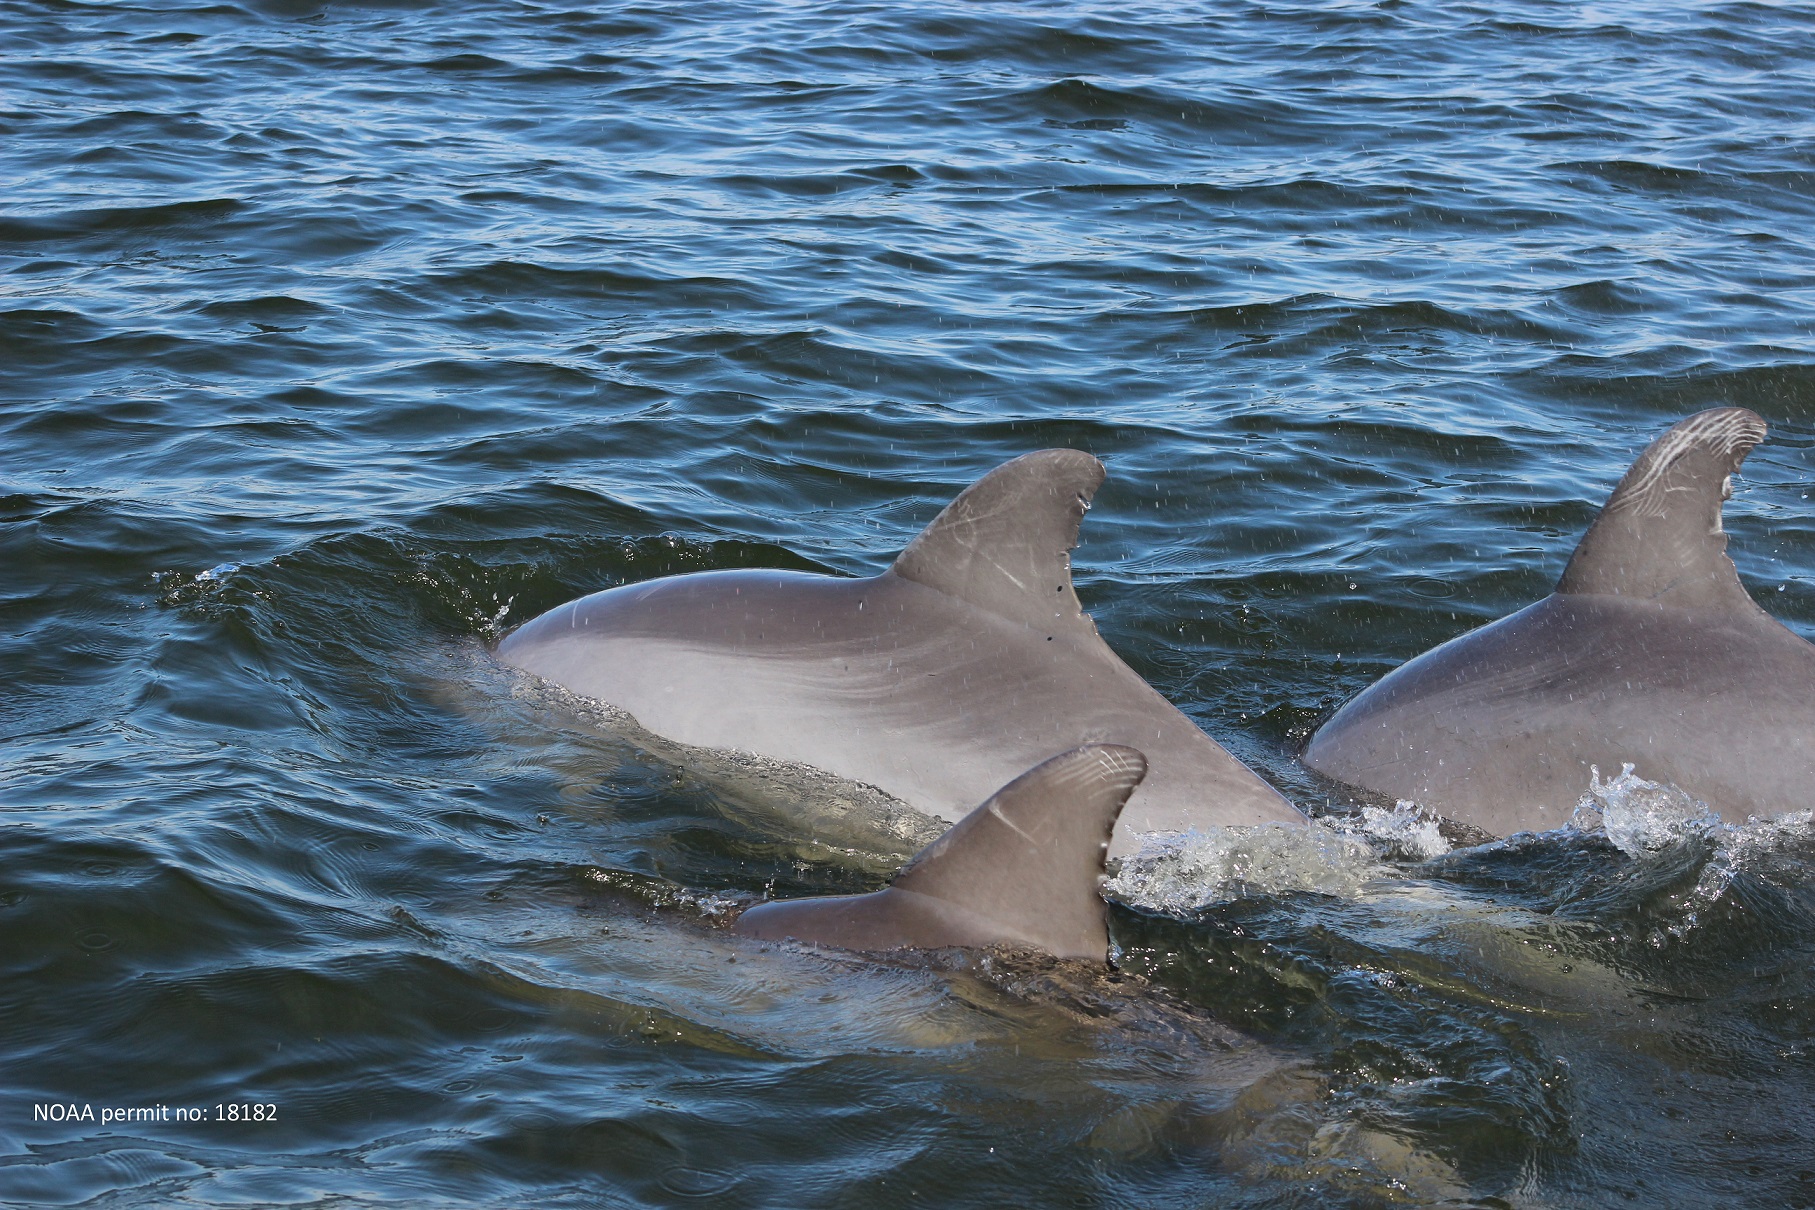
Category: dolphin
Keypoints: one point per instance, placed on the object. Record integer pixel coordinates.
(1649, 653)
(1023, 869)
(963, 664)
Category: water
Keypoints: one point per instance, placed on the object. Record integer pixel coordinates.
(335, 340)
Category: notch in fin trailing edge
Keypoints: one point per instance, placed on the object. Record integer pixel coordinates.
(1005, 543)
(1659, 536)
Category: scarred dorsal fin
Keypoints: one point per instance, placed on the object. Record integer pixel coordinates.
(1005, 543)
(1659, 536)
(1029, 859)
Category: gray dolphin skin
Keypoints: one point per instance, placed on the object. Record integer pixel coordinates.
(1023, 869)
(962, 665)
(1649, 651)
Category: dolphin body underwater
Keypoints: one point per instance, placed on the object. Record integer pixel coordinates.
(965, 663)
(1023, 869)
(1649, 652)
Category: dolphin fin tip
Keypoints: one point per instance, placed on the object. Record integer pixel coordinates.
(1023, 869)
(1005, 543)
(1659, 535)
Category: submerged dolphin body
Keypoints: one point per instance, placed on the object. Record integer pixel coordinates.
(1649, 651)
(1023, 869)
(960, 666)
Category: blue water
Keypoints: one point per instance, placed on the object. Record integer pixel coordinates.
(337, 339)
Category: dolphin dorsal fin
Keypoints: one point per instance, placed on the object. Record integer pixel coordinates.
(1659, 536)
(1029, 860)
(1005, 543)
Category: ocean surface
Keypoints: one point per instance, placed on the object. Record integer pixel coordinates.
(338, 338)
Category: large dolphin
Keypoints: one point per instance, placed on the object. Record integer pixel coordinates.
(963, 664)
(1023, 869)
(1648, 652)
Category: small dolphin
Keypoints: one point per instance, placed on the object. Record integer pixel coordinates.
(960, 666)
(1023, 869)
(1649, 652)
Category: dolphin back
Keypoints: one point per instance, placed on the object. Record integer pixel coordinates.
(964, 663)
(1022, 869)
(1650, 653)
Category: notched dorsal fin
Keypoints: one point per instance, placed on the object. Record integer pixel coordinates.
(1029, 860)
(1005, 543)
(1659, 536)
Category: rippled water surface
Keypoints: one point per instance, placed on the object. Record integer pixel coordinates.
(336, 340)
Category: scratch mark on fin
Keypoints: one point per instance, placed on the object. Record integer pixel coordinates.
(997, 812)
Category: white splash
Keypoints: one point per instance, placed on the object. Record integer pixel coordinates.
(710, 906)
(1640, 816)
(1763, 848)
(1407, 828)
(1181, 872)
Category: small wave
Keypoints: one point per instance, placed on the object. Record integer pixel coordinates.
(70, 224)
(1761, 865)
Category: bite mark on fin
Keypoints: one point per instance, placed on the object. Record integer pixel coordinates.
(1726, 435)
